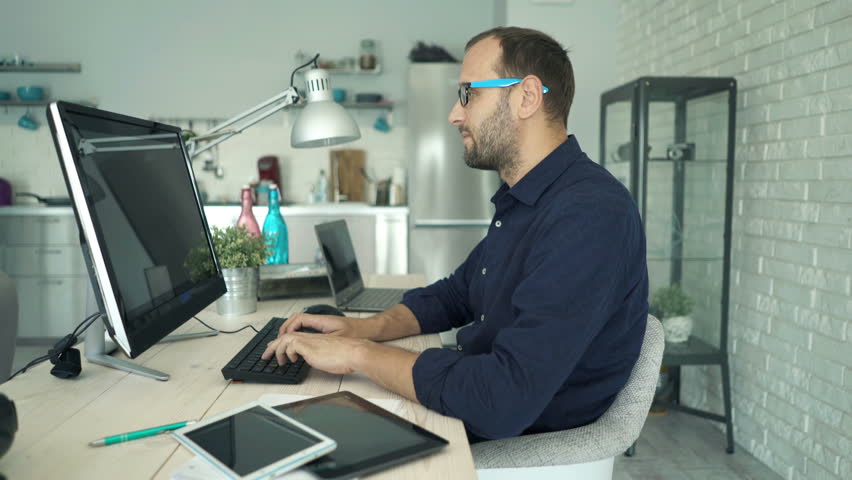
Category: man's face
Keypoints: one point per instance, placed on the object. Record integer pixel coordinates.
(486, 123)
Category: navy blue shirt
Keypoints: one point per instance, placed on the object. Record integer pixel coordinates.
(558, 295)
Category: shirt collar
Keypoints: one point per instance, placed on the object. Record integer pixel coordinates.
(530, 188)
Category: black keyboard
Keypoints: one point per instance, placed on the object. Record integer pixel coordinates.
(247, 366)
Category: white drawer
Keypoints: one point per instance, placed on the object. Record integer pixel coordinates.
(50, 306)
(44, 260)
(39, 229)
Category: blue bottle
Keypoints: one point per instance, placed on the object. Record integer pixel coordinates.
(275, 230)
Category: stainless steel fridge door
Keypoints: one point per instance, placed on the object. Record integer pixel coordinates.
(437, 251)
(441, 185)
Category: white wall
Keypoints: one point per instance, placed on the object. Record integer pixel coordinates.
(791, 289)
(211, 59)
(588, 30)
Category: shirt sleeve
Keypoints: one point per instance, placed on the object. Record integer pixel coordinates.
(444, 304)
(571, 284)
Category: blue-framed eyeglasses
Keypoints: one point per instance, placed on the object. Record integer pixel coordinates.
(464, 88)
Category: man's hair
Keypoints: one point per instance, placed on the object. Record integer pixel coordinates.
(530, 52)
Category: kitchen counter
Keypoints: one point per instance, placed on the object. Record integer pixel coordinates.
(322, 209)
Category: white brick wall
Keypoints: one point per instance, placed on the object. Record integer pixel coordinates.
(791, 304)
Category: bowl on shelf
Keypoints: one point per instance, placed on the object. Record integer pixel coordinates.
(30, 94)
(4, 96)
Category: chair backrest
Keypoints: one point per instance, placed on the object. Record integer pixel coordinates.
(608, 436)
(8, 325)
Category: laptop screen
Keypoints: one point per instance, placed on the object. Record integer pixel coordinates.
(343, 272)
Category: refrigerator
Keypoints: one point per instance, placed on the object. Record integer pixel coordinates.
(450, 203)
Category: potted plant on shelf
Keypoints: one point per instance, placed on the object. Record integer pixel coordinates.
(673, 307)
(240, 254)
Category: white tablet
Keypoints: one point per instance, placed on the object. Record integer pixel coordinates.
(254, 441)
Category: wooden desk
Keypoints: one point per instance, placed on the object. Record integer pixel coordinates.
(57, 418)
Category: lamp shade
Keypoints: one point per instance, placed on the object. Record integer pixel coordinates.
(323, 122)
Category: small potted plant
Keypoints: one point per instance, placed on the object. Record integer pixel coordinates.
(673, 307)
(240, 254)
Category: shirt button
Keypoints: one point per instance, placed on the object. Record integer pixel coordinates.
(482, 318)
(483, 271)
(498, 224)
(459, 348)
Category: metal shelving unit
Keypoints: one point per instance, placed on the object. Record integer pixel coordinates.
(670, 140)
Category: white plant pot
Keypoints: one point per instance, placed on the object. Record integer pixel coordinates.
(241, 297)
(677, 329)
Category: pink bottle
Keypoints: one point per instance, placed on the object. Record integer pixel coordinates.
(247, 219)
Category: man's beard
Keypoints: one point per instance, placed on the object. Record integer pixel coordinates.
(495, 146)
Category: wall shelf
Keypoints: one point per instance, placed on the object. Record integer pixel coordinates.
(43, 68)
(355, 105)
(348, 71)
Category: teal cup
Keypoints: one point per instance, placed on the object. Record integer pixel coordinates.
(339, 94)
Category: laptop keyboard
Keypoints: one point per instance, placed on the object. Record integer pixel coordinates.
(247, 366)
(377, 297)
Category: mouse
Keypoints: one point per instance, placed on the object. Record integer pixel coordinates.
(323, 309)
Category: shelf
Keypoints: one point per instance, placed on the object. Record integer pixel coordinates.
(362, 105)
(21, 103)
(43, 68)
(348, 71)
(694, 351)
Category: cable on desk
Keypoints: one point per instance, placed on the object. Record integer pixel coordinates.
(226, 331)
(81, 327)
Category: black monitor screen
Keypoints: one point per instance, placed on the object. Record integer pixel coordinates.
(139, 192)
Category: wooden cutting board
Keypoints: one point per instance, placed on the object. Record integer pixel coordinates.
(350, 166)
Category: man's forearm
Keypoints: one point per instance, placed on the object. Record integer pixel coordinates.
(395, 322)
(390, 367)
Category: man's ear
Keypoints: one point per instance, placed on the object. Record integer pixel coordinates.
(532, 99)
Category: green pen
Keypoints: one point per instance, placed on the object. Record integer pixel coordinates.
(148, 432)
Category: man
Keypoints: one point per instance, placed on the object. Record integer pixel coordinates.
(557, 291)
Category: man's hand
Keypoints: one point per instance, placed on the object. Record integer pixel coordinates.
(330, 324)
(330, 353)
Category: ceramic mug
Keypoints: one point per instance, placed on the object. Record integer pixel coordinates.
(27, 122)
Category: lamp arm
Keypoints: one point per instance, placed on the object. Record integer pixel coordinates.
(280, 101)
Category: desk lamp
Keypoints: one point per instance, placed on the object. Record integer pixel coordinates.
(322, 123)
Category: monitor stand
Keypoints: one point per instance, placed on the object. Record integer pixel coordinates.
(98, 349)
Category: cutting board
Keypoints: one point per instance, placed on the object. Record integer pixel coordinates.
(349, 174)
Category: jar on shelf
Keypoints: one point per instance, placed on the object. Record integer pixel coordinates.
(367, 60)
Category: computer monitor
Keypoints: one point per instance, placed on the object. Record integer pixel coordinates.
(142, 226)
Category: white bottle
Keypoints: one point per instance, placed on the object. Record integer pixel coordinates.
(322, 188)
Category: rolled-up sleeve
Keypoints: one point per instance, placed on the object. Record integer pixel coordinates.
(444, 304)
(566, 294)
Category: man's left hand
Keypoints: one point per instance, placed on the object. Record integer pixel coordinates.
(330, 353)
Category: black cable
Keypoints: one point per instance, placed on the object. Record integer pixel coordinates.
(88, 321)
(225, 331)
(313, 60)
(29, 365)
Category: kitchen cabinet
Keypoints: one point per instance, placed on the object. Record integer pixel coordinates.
(42, 255)
(379, 234)
(40, 250)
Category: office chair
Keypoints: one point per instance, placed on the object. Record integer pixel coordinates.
(8, 325)
(589, 451)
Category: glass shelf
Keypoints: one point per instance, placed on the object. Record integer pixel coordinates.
(43, 68)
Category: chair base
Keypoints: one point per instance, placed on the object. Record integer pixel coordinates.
(597, 470)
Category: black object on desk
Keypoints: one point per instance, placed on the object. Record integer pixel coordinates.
(247, 366)
(369, 438)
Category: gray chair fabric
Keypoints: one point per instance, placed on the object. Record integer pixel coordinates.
(608, 436)
(8, 325)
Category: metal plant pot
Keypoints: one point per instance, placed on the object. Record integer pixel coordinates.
(241, 297)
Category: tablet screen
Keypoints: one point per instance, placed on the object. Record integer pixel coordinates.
(369, 438)
(251, 439)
